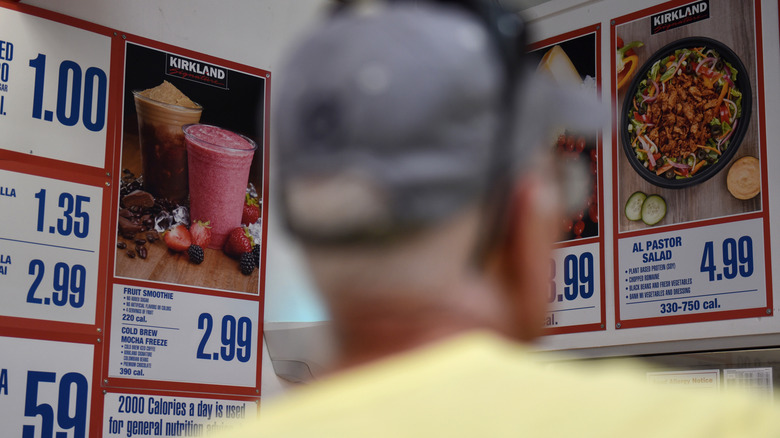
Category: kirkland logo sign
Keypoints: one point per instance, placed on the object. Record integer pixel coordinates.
(680, 17)
(196, 71)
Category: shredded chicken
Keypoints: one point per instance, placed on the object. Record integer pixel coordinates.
(682, 114)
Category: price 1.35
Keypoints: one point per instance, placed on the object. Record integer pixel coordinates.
(71, 407)
(235, 336)
(737, 258)
(73, 221)
(578, 278)
(72, 84)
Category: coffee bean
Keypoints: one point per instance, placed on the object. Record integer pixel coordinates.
(131, 253)
(139, 241)
(142, 252)
(121, 245)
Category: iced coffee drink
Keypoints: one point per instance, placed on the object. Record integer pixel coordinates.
(219, 164)
(162, 111)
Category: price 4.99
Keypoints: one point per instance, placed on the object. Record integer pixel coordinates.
(737, 258)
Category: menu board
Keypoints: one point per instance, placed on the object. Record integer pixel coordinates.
(576, 295)
(690, 200)
(132, 254)
(50, 380)
(54, 92)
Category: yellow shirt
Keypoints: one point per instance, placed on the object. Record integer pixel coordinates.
(480, 385)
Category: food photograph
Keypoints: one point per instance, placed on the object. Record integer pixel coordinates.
(190, 204)
(687, 146)
(572, 63)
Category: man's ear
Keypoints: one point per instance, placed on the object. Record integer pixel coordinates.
(523, 257)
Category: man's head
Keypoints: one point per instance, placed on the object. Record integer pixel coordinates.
(395, 158)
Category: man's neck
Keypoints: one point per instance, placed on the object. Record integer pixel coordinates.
(373, 328)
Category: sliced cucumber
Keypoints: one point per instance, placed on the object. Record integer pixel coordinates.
(634, 206)
(653, 209)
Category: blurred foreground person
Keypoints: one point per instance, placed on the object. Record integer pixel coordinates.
(428, 231)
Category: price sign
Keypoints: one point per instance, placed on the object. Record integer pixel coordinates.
(708, 269)
(183, 337)
(131, 414)
(53, 89)
(45, 388)
(49, 242)
(575, 284)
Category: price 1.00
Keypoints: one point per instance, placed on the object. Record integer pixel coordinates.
(73, 221)
(578, 278)
(235, 336)
(69, 283)
(737, 257)
(71, 412)
(71, 85)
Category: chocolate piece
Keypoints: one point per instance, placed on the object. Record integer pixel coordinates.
(138, 198)
(128, 227)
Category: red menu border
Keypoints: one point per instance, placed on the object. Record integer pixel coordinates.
(114, 382)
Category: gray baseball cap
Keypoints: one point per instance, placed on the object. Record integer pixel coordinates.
(386, 120)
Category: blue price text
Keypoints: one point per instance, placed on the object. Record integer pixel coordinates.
(235, 336)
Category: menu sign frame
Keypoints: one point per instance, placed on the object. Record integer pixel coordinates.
(675, 272)
(71, 202)
(577, 267)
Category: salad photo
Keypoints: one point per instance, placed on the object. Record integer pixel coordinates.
(684, 112)
(687, 145)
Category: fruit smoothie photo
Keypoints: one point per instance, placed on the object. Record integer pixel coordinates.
(218, 164)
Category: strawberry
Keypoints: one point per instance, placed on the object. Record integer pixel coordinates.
(201, 233)
(178, 238)
(238, 242)
(251, 211)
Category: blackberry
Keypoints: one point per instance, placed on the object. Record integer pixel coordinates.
(196, 254)
(256, 255)
(247, 263)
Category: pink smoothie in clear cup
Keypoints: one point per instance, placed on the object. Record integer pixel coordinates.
(219, 163)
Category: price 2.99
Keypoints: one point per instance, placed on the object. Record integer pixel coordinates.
(578, 278)
(69, 284)
(235, 336)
